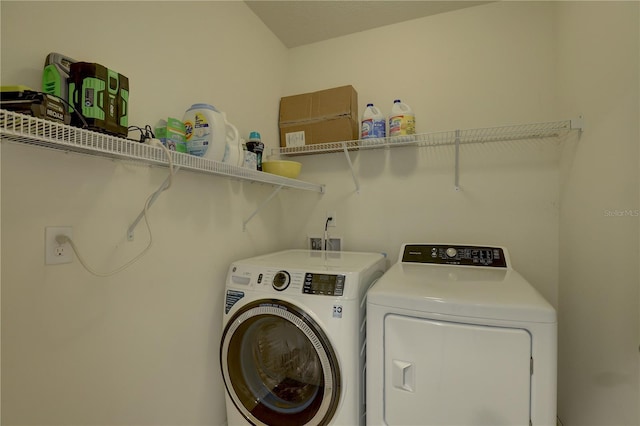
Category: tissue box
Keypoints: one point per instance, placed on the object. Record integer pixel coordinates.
(171, 133)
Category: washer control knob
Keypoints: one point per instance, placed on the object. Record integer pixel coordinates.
(281, 280)
(451, 252)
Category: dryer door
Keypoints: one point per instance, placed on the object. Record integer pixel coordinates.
(446, 373)
(278, 366)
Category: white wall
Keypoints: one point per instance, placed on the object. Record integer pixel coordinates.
(598, 72)
(485, 66)
(142, 347)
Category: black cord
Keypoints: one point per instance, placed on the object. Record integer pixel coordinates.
(145, 133)
(149, 131)
(326, 227)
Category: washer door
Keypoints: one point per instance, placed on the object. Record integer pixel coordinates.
(278, 366)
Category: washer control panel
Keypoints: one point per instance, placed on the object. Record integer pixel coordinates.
(455, 255)
(323, 284)
(289, 281)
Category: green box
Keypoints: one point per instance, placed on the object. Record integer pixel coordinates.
(171, 133)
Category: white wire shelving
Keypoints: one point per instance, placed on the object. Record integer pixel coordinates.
(20, 128)
(451, 137)
(457, 138)
(24, 129)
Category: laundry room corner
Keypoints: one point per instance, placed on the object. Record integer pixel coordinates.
(525, 154)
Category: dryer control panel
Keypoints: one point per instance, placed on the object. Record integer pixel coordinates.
(461, 255)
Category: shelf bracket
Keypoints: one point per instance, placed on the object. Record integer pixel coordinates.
(353, 173)
(264, 203)
(154, 196)
(457, 166)
(577, 124)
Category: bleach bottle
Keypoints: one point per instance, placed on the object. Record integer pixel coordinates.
(402, 120)
(373, 124)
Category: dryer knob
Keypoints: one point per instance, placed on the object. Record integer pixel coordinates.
(452, 252)
(281, 280)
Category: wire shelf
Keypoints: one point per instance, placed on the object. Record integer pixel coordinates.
(470, 136)
(24, 129)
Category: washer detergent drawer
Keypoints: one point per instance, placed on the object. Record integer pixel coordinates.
(445, 373)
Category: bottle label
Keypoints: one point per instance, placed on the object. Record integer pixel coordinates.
(402, 125)
(379, 129)
(366, 129)
(197, 134)
(372, 128)
(257, 147)
(410, 124)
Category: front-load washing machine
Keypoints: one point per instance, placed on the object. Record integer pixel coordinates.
(292, 348)
(455, 336)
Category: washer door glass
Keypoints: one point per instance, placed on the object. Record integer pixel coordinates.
(278, 366)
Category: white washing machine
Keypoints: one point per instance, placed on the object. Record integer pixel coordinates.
(457, 337)
(292, 350)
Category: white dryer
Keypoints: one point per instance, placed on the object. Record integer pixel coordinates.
(457, 337)
(292, 349)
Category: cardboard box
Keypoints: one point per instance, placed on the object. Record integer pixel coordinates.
(319, 117)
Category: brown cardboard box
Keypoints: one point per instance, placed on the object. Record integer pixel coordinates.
(319, 117)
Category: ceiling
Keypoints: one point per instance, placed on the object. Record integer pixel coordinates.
(301, 22)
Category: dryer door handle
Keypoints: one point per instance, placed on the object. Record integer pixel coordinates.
(402, 375)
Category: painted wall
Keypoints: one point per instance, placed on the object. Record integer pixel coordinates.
(142, 347)
(598, 72)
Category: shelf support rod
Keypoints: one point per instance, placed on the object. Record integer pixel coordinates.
(457, 171)
(155, 195)
(269, 198)
(353, 173)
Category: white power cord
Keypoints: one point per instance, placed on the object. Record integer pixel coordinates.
(61, 239)
(169, 159)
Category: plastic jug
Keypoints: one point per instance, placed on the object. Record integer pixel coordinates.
(373, 124)
(233, 148)
(206, 131)
(402, 120)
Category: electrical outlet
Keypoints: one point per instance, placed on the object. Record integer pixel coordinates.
(315, 243)
(333, 244)
(332, 215)
(54, 252)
